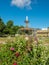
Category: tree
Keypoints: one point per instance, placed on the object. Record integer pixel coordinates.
(15, 29)
(2, 25)
(6, 30)
(9, 23)
(9, 26)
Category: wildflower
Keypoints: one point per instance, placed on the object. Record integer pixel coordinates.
(14, 63)
(26, 38)
(12, 49)
(17, 54)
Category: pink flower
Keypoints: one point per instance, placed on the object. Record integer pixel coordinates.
(17, 54)
(12, 49)
(14, 63)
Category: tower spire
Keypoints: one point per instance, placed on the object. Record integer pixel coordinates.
(26, 21)
(26, 18)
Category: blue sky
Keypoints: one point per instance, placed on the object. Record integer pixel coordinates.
(17, 10)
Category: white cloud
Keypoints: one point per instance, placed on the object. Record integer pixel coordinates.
(22, 3)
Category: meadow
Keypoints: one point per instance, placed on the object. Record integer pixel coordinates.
(19, 51)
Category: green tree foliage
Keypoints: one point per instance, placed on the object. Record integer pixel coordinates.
(6, 30)
(16, 28)
(9, 23)
(2, 25)
(9, 28)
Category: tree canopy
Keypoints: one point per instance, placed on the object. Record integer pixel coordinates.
(2, 25)
(9, 23)
(9, 28)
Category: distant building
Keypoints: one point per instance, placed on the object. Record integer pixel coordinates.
(44, 28)
(43, 32)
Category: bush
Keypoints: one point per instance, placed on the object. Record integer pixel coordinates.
(22, 53)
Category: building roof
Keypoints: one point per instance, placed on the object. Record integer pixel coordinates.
(42, 31)
(26, 29)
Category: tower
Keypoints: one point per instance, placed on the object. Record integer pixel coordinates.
(26, 21)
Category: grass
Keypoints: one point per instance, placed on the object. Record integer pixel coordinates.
(45, 40)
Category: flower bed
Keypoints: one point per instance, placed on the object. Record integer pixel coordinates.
(23, 53)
